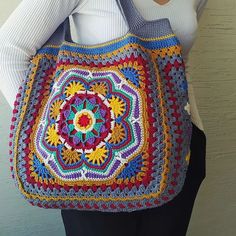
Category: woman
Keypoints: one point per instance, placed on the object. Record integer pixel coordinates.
(97, 22)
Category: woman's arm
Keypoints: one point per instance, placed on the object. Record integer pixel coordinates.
(195, 116)
(200, 6)
(26, 30)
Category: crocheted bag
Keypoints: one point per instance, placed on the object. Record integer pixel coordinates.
(103, 127)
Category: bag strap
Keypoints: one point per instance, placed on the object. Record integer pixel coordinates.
(127, 8)
(59, 35)
(130, 14)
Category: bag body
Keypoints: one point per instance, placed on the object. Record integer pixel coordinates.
(103, 127)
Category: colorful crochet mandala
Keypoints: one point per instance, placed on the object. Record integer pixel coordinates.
(102, 128)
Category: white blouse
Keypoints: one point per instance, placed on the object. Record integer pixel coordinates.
(94, 21)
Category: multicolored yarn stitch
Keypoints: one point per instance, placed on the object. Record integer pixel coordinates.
(103, 131)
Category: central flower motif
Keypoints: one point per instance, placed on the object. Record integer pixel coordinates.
(92, 125)
(85, 121)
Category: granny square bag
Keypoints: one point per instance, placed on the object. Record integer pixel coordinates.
(103, 127)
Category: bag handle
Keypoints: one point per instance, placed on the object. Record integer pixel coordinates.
(127, 8)
(60, 34)
(130, 13)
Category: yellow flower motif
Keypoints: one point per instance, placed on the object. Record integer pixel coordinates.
(97, 156)
(118, 133)
(70, 156)
(120, 66)
(55, 109)
(52, 136)
(100, 88)
(136, 66)
(125, 64)
(73, 87)
(117, 105)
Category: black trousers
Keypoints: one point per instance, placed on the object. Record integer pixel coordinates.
(170, 219)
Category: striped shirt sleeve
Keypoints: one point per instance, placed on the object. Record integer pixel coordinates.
(26, 30)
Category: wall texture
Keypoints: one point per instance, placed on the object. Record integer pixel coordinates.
(213, 73)
(213, 60)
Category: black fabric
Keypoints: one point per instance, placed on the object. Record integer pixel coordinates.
(169, 219)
